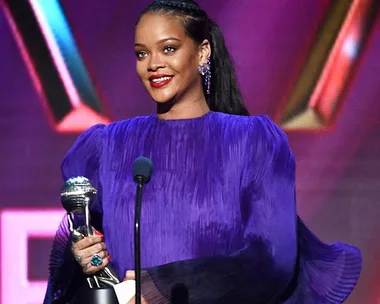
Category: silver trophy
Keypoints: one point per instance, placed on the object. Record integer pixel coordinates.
(76, 196)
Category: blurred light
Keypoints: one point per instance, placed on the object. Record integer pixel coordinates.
(351, 47)
(16, 227)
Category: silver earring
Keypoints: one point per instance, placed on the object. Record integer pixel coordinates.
(205, 70)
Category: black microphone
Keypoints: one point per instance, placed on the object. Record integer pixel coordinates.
(142, 170)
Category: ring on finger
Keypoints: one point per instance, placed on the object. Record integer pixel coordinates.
(96, 260)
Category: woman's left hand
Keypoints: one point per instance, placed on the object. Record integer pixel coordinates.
(130, 275)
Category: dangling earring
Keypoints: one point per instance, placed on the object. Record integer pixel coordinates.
(205, 70)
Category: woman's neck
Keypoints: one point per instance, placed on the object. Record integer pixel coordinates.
(184, 110)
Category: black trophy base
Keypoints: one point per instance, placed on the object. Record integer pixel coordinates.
(97, 296)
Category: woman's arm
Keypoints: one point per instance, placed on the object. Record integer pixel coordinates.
(65, 276)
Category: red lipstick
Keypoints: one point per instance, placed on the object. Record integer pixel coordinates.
(159, 80)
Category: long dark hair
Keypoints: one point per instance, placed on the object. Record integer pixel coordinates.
(225, 94)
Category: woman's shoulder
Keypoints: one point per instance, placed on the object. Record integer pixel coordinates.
(94, 136)
(258, 124)
(126, 128)
(257, 134)
(242, 119)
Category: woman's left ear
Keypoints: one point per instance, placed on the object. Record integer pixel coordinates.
(204, 51)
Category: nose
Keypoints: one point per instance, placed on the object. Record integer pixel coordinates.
(155, 63)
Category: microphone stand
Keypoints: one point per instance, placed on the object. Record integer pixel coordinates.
(142, 170)
(137, 240)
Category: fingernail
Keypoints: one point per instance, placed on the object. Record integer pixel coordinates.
(128, 272)
(109, 257)
(98, 233)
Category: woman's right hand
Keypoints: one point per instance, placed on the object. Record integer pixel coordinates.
(84, 249)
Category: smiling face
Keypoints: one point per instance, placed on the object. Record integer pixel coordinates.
(167, 59)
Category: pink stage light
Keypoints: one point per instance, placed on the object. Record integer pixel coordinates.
(16, 227)
(75, 103)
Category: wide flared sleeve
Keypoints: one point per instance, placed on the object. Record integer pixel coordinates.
(327, 272)
(263, 268)
(65, 276)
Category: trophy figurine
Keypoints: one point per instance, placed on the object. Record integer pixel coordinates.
(76, 196)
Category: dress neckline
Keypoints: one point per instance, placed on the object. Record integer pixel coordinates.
(182, 120)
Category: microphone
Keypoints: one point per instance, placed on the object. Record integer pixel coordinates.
(76, 196)
(142, 170)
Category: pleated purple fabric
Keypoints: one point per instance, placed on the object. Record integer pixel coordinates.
(218, 216)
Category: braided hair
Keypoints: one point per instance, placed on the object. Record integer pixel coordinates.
(225, 94)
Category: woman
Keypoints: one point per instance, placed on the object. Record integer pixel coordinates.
(219, 214)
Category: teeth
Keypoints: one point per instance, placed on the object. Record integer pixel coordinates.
(156, 80)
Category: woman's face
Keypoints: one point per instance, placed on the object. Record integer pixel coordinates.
(167, 59)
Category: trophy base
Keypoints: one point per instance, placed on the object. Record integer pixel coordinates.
(97, 296)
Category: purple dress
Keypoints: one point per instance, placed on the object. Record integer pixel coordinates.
(218, 216)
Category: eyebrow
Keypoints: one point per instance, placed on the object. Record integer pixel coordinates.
(159, 42)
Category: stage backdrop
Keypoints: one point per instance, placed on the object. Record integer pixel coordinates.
(338, 171)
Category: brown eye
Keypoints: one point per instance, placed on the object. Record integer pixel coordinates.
(169, 49)
(141, 54)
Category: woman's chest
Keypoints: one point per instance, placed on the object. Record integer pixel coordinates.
(191, 200)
